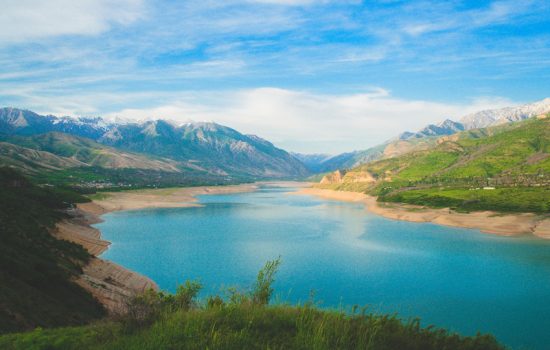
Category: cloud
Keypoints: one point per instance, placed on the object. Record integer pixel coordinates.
(24, 20)
(308, 122)
(285, 2)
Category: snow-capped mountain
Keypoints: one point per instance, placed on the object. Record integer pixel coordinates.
(482, 119)
(505, 115)
(208, 146)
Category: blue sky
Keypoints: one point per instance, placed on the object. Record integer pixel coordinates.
(311, 76)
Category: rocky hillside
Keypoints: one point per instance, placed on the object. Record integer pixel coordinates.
(38, 271)
(208, 147)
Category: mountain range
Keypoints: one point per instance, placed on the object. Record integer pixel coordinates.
(207, 148)
(426, 137)
(196, 152)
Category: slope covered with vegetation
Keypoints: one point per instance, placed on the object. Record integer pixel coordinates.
(513, 158)
(89, 152)
(57, 158)
(35, 268)
(244, 321)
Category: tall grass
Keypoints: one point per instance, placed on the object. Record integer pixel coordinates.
(179, 321)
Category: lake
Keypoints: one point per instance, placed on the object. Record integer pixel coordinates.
(454, 278)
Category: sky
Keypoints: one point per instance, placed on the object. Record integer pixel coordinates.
(311, 76)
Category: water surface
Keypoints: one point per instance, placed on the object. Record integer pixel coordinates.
(459, 279)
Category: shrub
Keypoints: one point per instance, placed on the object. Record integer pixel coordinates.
(263, 289)
(185, 295)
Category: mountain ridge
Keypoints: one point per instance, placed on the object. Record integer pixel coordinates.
(412, 141)
(215, 148)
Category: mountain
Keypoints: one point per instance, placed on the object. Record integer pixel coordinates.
(62, 159)
(72, 151)
(313, 162)
(482, 119)
(447, 127)
(494, 117)
(425, 138)
(24, 122)
(208, 147)
(514, 157)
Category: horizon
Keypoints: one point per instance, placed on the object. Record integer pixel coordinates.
(122, 120)
(309, 76)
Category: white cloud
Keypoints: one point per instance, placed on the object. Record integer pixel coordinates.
(24, 20)
(283, 2)
(308, 122)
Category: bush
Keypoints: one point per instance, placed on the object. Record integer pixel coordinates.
(186, 294)
(266, 276)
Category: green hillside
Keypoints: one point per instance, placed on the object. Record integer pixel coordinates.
(245, 321)
(88, 152)
(515, 157)
(35, 268)
(61, 159)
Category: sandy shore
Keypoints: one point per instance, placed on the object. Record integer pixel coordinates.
(158, 198)
(485, 221)
(109, 283)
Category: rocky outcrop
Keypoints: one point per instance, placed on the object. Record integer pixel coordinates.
(359, 176)
(336, 177)
(112, 285)
(340, 176)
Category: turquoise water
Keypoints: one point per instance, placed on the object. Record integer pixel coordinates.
(454, 278)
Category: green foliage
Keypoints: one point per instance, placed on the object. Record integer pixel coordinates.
(83, 178)
(514, 158)
(35, 268)
(535, 200)
(256, 327)
(186, 294)
(266, 276)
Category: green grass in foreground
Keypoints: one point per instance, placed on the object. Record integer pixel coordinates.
(245, 321)
(253, 327)
(522, 199)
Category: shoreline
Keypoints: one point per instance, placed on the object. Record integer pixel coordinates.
(485, 221)
(111, 284)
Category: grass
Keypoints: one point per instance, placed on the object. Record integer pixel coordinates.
(254, 327)
(513, 157)
(531, 199)
(245, 321)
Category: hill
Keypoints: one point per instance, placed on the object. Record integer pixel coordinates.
(36, 270)
(79, 151)
(208, 147)
(455, 169)
(57, 158)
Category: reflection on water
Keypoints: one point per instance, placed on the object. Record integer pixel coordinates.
(456, 278)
